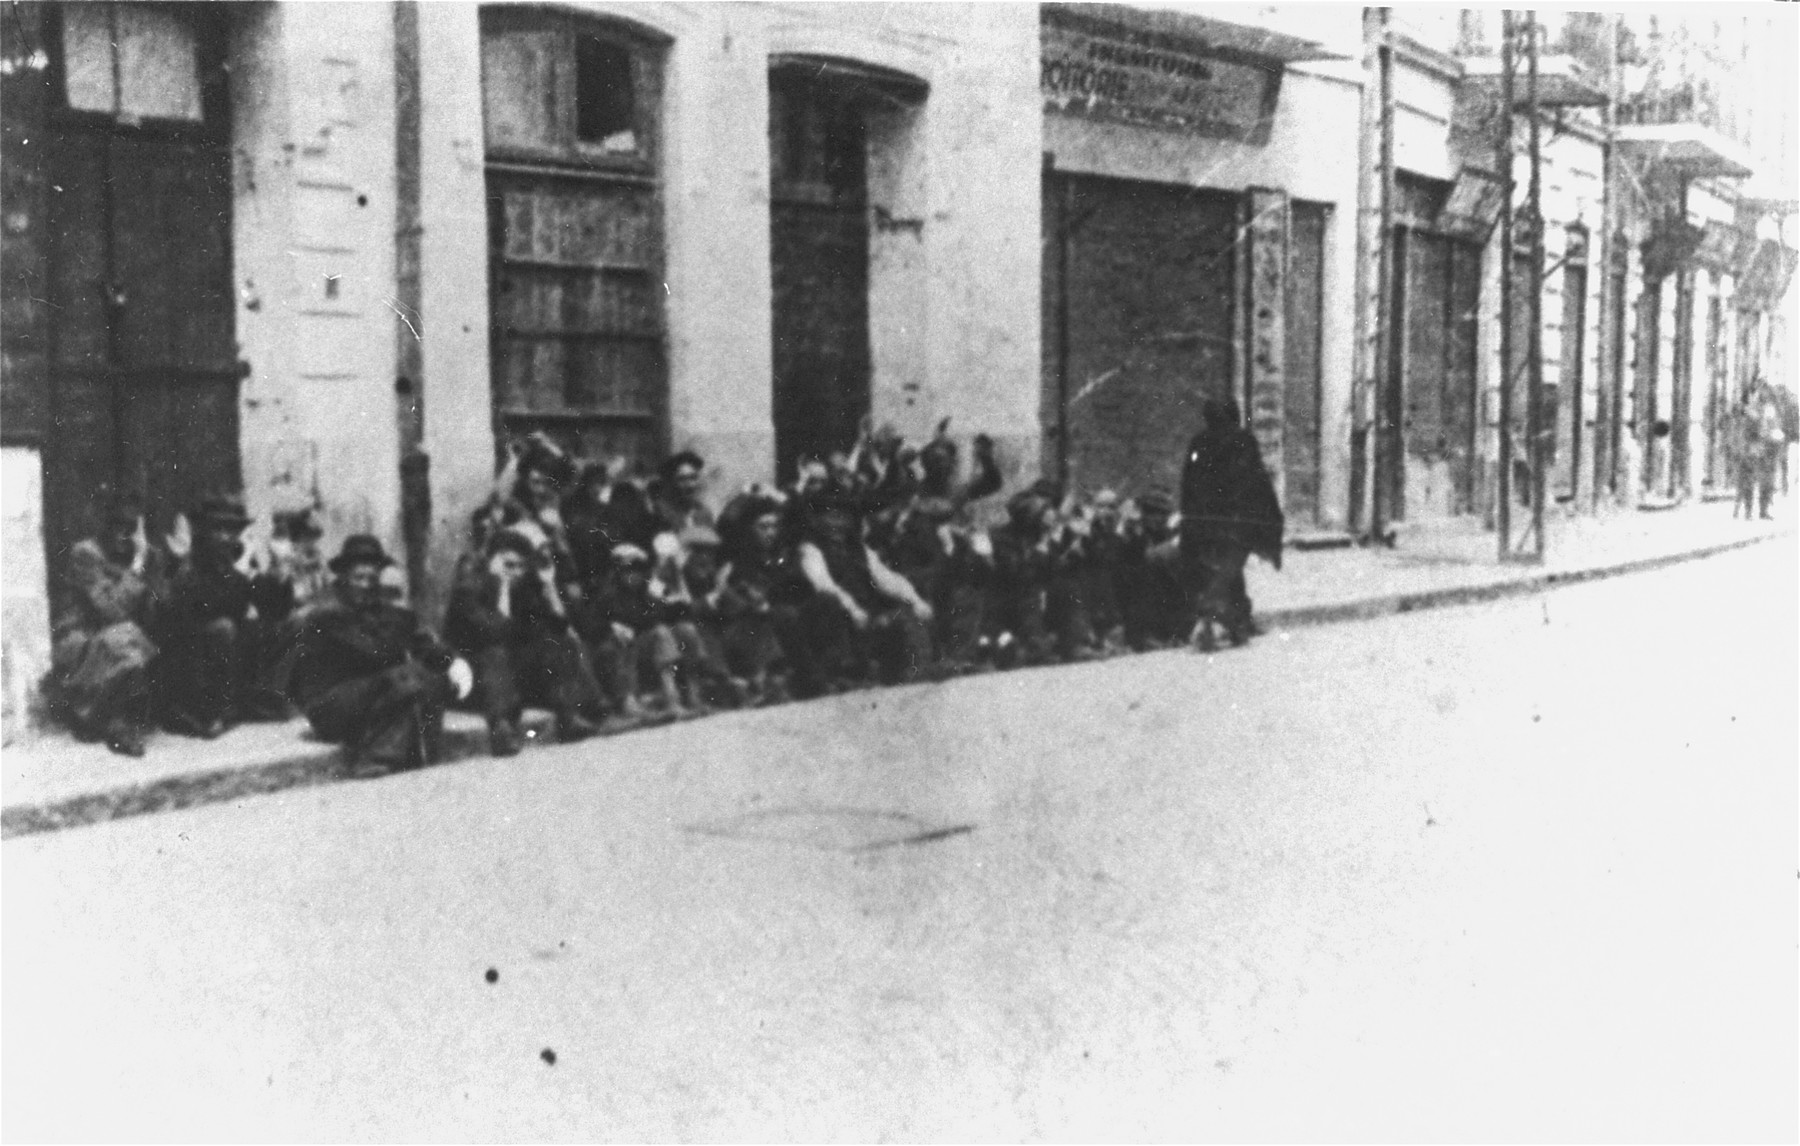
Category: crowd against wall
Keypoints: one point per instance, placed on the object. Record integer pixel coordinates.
(614, 602)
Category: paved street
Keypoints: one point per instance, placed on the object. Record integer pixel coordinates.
(1518, 871)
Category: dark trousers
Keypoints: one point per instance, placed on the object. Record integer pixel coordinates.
(548, 670)
(223, 670)
(1152, 603)
(752, 645)
(1222, 595)
(895, 645)
(393, 718)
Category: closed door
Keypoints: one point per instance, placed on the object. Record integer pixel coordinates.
(1302, 378)
(1147, 284)
(819, 265)
(144, 372)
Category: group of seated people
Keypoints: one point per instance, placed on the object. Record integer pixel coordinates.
(609, 601)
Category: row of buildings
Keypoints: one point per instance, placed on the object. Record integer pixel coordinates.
(334, 255)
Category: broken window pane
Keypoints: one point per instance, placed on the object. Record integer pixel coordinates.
(604, 111)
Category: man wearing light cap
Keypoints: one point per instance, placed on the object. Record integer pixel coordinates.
(505, 615)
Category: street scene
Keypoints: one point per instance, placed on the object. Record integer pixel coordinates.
(1466, 873)
(903, 571)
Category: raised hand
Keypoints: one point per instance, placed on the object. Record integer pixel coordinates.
(180, 540)
(140, 546)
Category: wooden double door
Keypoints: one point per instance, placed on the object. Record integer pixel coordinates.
(1431, 408)
(143, 373)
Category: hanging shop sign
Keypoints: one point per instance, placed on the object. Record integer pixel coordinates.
(1766, 282)
(1719, 247)
(1472, 207)
(1108, 71)
(1669, 248)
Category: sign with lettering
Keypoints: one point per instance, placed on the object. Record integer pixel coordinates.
(1097, 68)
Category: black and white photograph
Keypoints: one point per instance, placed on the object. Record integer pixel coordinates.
(783, 571)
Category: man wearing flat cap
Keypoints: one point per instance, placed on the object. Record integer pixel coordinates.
(369, 675)
(217, 626)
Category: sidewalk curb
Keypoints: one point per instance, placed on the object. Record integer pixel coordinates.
(313, 763)
(1371, 608)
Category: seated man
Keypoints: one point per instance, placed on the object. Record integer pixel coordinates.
(100, 664)
(1037, 599)
(710, 607)
(634, 641)
(765, 592)
(861, 614)
(219, 628)
(952, 568)
(675, 497)
(506, 618)
(369, 675)
(1148, 576)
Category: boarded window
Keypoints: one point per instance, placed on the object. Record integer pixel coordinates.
(555, 85)
(577, 331)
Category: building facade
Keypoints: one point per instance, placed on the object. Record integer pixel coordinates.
(337, 256)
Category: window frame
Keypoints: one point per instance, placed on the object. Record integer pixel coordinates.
(572, 164)
(647, 51)
(208, 23)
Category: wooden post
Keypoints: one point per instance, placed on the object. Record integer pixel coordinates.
(1503, 158)
(1269, 228)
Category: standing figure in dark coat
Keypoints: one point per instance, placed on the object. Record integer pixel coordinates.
(99, 682)
(1228, 511)
(219, 628)
(369, 675)
(506, 618)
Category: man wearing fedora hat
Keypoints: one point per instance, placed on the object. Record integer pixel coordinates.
(506, 617)
(369, 675)
(219, 627)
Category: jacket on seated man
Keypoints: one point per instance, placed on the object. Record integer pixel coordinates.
(219, 627)
(506, 616)
(99, 681)
(368, 674)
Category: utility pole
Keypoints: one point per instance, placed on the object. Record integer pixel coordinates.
(1503, 156)
(1381, 454)
(1534, 402)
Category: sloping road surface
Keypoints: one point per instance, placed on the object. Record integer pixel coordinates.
(1519, 871)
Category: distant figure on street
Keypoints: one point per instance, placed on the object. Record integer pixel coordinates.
(1228, 511)
(1631, 470)
(368, 675)
(99, 682)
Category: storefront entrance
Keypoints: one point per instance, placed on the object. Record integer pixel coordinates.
(1139, 287)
